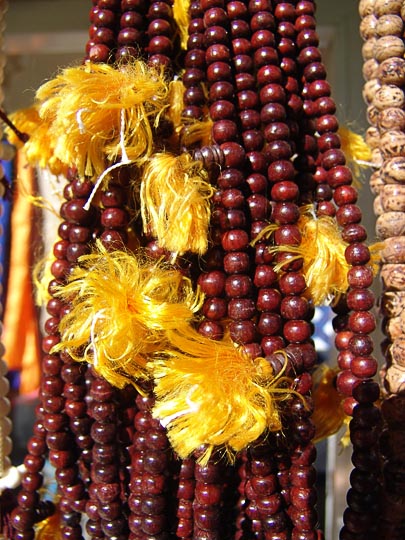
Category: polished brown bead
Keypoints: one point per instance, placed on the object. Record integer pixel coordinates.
(345, 359)
(216, 34)
(240, 309)
(211, 330)
(212, 283)
(346, 382)
(362, 322)
(234, 154)
(353, 233)
(238, 285)
(357, 254)
(287, 235)
(292, 283)
(269, 324)
(239, 29)
(360, 299)
(285, 213)
(360, 276)
(268, 300)
(364, 367)
(265, 276)
(252, 140)
(281, 171)
(294, 307)
(214, 308)
(222, 109)
(297, 331)
(242, 331)
(284, 191)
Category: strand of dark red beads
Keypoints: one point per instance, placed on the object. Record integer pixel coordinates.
(52, 427)
(354, 322)
(103, 31)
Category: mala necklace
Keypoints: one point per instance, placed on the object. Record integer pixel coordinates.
(382, 31)
(258, 114)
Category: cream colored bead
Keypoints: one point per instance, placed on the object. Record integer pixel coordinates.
(390, 25)
(390, 224)
(372, 114)
(393, 170)
(392, 143)
(369, 89)
(395, 379)
(397, 351)
(4, 406)
(366, 7)
(376, 182)
(373, 137)
(392, 71)
(389, 95)
(393, 198)
(370, 69)
(393, 276)
(367, 49)
(377, 206)
(393, 250)
(384, 7)
(388, 47)
(391, 118)
(377, 158)
(393, 304)
(393, 328)
(368, 27)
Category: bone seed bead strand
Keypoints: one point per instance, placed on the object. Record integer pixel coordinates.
(387, 135)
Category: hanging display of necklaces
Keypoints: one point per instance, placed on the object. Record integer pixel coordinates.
(208, 209)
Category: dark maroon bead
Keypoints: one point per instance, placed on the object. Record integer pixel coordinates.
(268, 300)
(211, 330)
(242, 331)
(346, 382)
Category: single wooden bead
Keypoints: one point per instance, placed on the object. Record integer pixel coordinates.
(368, 26)
(391, 71)
(388, 47)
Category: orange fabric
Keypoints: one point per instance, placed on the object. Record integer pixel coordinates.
(20, 334)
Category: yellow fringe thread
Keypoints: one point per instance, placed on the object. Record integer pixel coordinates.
(175, 204)
(328, 415)
(198, 132)
(182, 19)
(50, 528)
(356, 150)
(175, 109)
(82, 108)
(323, 252)
(210, 394)
(39, 149)
(121, 308)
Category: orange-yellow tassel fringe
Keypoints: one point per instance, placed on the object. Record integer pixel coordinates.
(121, 309)
(175, 202)
(91, 110)
(211, 394)
(328, 415)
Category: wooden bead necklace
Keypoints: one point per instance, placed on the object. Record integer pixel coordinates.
(253, 74)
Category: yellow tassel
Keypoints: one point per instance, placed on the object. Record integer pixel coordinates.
(328, 415)
(175, 202)
(50, 528)
(355, 149)
(174, 112)
(211, 394)
(182, 19)
(323, 252)
(199, 132)
(83, 107)
(39, 149)
(120, 310)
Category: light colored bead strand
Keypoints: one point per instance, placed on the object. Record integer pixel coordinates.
(383, 53)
